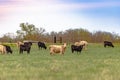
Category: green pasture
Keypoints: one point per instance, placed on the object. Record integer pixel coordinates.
(96, 63)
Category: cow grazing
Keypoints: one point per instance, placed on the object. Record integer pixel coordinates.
(108, 43)
(57, 49)
(42, 45)
(76, 48)
(2, 49)
(25, 47)
(8, 49)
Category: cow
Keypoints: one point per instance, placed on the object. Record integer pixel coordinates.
(85, 43)
(41, 45)
(108, 43)
(76, 48)
(25, 47)
(8, 49)
(60, 49)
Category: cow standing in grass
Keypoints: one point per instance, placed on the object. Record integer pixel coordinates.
(108, 43)
(25, 47)
(76, 48)
(57, 49)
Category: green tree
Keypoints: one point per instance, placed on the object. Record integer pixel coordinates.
(29, 31)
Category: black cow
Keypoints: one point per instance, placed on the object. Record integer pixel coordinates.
(76, 48)
(42, 45)
(107, 43)
(8, 49)
(25, 47)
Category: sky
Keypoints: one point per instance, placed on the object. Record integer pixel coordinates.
(60, 15)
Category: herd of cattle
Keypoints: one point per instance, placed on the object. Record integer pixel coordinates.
(26, 46)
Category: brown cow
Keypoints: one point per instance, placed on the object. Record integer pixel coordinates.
(57, 49)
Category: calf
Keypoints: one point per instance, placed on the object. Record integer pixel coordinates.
(107, 43)
(76, 48)
(41, 45)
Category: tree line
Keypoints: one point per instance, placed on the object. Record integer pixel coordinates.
(30, 32)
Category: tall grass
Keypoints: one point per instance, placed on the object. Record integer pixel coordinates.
(96, 63)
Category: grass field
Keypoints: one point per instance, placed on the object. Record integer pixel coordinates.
(96, 63)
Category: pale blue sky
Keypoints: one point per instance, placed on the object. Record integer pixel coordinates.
(59, 15)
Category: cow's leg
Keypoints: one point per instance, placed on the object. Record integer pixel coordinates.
(20, 51)
(80, 51)
(39, 47)
(72, 51)
(62, 53)
(105, 45)
(77, 52)
(28, 51)
(85, 46)
(50, 52)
